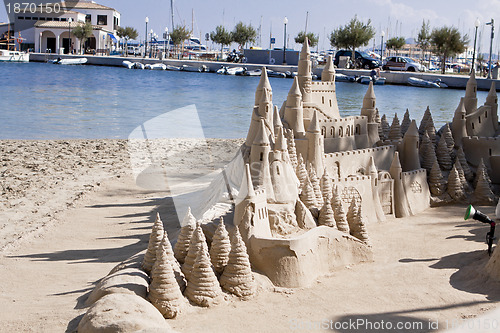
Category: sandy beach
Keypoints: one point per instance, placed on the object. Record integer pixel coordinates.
(71, 210)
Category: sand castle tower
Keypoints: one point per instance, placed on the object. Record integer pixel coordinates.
(259, 162)
(326, 215)
(328, 73)
(470, 99)
(292, 150)
(384, 125)
(182, 246)
(237, 277)
(428, 153)
(277, 124)
(284, 181)
(308, 197)
(437, 184)
(164, 292)
(304, 72)
(492, 101)
(410, 156)
(401, 206)
(368, 108)
(443, 155)
(263, 109)
(203, 288)
(294, 112)
(425, 121)
(316, 186)
(395, 130)
(155, 239)
(197, 242)
(315, 151)
(405, 124)
(455, 188)
(339, 213)
(372, 171)
(221, 246)
(459, 124)
(326, 186)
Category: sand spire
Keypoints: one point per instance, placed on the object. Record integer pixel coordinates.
(302, 173)
(455, 188)
(437, 184)
(326, 215)
(395, 130)
(221, 246)
(197, 242)
(339, 213)
(443, 155)
(326, 186)
(405, 124)
(182, 246)
(155, 239)
(292, 150)
(358, 229)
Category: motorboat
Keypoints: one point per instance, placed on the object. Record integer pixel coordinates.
(339, 77)
(271, 73)
(173, 68)
(127, 64)
(254, 72)
(416, 82)
(138, 65)
(364, 79)
(222, 70)
(158, 67)
(14, 56)
(235, 71)
(70, 61)
(189, 68)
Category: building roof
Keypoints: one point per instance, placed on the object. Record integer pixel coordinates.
(84, 5)
(61, 25)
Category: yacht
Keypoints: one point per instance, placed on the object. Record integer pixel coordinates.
(14, 56)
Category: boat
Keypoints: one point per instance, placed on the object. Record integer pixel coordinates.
(235, 71)
(416, 82)
(345, 78)
(271, 73)
(71, 61)
(158, 67)
(173, 68)
(127, 64)
(14, 56)
(222, 70)
(254, 72)
(189, 68)
(364, 79)
(138, 65)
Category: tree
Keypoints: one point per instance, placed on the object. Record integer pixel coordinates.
(82, 32)
(243, 34)
(395, 43)
(313, 39)
(179, 35)
(352, 35)
(447, 42)
(221, 36)
(127, 33)
(424, 38)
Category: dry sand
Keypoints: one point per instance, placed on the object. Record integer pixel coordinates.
(70, 211)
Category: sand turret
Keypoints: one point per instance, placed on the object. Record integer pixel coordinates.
(316, 186)
(443, 155)
(384, 126)
(455, 188)
(203, 288)
(448, 137)
(481, 168)
(315, 151)
(368, 109)
(458, 124)
(197, 242)
(492, 101)
(304, 71)
(182, 245)
(302, 172)
(410, 155)
(405, 124)
(326, 186)
(221, 246)
(263, 85)
(328, 73)
(155, 239)
(292, 150)
(281, 144)
(395, 130)
(326, 215)
(339, 212)
(294, 112)
(424, 121)
(401, 206)
(358, 228)
(164, 292)
(307, 196)
(437, 183)
(277, 124)
(428, 153)
(259, 161)
(238, 278)
(431, 132)
(470, 99)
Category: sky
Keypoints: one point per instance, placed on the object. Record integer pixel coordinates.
(397, 18)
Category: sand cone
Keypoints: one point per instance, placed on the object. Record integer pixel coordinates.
(483, 194)
(326, 215)
(377, 116)
(197, 242)
(480, 170)
(448, 136)
(424, 121)
(338, 212)
(384, 125)
(405, 124)
(292, 150)
(358, 229)
(301, 172)
(429, 156)
(431, 132)
(443, 155)
(352, 216)
(238, 278)
(164, 292)
(461, 175)
(395, 130)
(437, 183)
(326, 186)
(307, 196)
(316, 186)
(424, 143)
(182, 246)
(455, 188)
(221, 246)
(203, 288)
(469, 175)
(155, 239)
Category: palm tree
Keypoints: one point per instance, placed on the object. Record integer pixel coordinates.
(83, 32)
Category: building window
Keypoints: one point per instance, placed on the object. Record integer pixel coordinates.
(490, 151)
(330, 103)
(64, 19)
(88, 18)
(102, 20)
(42, 19)
(348, 131)
(486, 114)
(56, 18)
(20, 17)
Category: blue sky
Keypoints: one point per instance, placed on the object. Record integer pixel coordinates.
(396, 17)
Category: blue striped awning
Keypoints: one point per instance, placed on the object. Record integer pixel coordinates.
(113, 38)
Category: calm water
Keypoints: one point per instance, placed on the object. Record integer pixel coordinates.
(45, 101)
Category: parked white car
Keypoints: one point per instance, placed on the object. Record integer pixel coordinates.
(402, 64)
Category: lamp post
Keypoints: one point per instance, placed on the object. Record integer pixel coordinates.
(492, 23)
(382, 34)
(476, 24)
(40, 43)
(285, 22)
(151, 43)
(69, 35)
(146, 37)
(167, 44)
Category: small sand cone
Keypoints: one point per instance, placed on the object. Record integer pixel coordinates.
(292, 150)
(385, 127)
(377, 116)
(424, 121)
(359, 228)
(179, 276)
(352, 217)
(326, 186)
(307, 196)
(455, 188)
(424, 143)
(483, 194)
(448, 136)
(221, 246)
(155, 239)
(431, 132)
(182, 246)
(164, 292)
(437, 184)
(238, 278)
(203, 288)
(481, 169)
(338, 211)
(443, 155)
(405, 124)
(197, 242)
(461, 174)
(469, 175)
(429, 155)
(301, 172)
(316, 186)
(326, 215)
(395, 130)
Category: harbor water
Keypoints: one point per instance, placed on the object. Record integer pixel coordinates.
(46, 101)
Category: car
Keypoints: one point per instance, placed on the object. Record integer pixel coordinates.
(132, 50)
(402, 64)
(362, 59)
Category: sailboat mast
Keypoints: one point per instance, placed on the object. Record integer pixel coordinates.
(172, 12)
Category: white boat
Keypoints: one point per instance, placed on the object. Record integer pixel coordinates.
(14, 56)
(138, 65)
(189, 68)
(222, 70)
(271, 73)
(416, 82)
(255, 72)
(364, 79)
(235, 70)
(158, 67)
(72, 61)
(173, 68)
(128, 64)
(345, 78)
